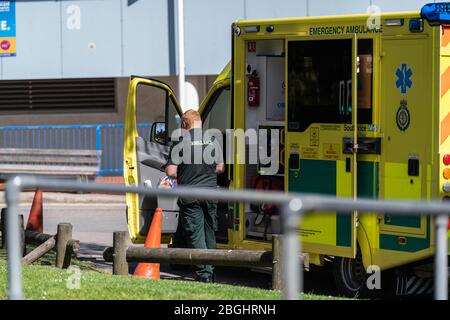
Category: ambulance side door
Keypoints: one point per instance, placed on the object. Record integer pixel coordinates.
(406, 165)
(146, 150)
(320, 132)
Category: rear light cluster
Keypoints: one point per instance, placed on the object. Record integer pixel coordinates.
(446, 174)
(446, 185)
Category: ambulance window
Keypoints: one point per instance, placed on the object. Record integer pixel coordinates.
(218, 111)
(173, 118)
(365, 80)
(319, 83)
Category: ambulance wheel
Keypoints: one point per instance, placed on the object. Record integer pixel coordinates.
(350, 276)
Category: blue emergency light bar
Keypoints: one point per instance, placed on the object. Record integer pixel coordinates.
(436, 13)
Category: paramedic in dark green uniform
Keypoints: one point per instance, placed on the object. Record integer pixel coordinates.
(198, 218)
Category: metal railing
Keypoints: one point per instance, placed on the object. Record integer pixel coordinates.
(294, 207)
(105, 137)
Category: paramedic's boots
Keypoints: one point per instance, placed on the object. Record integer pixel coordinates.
(179, 241)
(206, 279)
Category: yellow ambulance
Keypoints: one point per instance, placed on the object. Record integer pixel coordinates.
(362, 104)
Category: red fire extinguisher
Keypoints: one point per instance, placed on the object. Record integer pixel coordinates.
(253, 89)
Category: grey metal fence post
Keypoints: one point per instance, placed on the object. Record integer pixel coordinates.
(441, 259)
(293, 272)
(15, 287)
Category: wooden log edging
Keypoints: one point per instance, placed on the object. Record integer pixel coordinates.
(63, 254)
(67, 246)
(39, 252)
(3, 230)
(121, 254)
(3, 227)
(62, 242)
(277, 267)
(36, 238)
(235, 258)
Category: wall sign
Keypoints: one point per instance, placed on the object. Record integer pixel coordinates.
(7, 28)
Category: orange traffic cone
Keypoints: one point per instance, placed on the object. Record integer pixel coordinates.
(151, 270)
(35, 219)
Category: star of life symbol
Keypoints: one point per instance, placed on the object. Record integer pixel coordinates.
(404, 81)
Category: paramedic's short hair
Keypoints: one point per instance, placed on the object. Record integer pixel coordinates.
(189, 118)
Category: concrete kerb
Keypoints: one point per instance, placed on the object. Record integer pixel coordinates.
(65, 198)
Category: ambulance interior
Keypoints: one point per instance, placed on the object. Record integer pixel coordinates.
(218, 116)
(265, 114)
(266, 60)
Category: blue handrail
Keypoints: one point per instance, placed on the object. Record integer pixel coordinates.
(105, 137)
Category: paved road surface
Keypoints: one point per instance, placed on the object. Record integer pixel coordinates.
(91, 223)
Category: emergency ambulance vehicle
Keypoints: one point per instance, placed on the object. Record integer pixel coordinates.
(363, 107)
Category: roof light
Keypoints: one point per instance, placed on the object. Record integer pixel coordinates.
(416, 25)
(446, 159)
(446, 187)
(393, 22)
(270, 28)
(251, 29)
(446, 174)
(436, 13)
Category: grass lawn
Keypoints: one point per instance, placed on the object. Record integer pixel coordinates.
(43, 282)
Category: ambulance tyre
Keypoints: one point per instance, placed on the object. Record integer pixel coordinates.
(350, 276)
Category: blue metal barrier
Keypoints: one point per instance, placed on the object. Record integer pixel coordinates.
(105, 137)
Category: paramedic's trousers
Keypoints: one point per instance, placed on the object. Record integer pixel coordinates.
(198, 224)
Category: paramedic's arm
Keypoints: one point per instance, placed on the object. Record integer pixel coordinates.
(171, 168)
(220, 166)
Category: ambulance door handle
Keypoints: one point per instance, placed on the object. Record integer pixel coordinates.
(363, 146)
(294, 162)
(348, 165)
(413, 167)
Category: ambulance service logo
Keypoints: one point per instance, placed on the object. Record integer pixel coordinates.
(404, 74)
(403, 116)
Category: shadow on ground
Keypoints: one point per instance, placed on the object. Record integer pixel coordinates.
(318, 281)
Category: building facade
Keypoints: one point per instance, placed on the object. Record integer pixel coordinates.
(74, 57)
